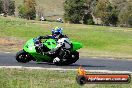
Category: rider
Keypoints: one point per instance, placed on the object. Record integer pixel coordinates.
(56, 34)
(63, 43)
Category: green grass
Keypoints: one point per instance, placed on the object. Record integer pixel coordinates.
(97, 40)
(23, 78)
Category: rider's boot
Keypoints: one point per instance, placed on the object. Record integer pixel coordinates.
(56, 60)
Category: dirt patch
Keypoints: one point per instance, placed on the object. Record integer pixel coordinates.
(10, 44)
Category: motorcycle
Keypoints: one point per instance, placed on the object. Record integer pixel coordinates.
(30, 52)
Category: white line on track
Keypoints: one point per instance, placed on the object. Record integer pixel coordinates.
(61, 69)
(7, 52)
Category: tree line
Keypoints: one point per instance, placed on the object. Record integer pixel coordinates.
(108, 12)
(101, 12)
(26, 10)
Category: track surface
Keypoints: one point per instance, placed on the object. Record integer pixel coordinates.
(8, 59)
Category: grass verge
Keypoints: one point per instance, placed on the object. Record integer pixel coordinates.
(24, 78)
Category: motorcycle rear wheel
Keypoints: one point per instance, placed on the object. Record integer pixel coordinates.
(72, 59)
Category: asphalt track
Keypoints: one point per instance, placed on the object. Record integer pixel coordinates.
(8, 59)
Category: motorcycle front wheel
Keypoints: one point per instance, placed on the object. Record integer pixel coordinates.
(22, 56)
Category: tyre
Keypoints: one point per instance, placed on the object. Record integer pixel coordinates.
(75, 56)
(73, 59)
(22, 56)
(81, 80)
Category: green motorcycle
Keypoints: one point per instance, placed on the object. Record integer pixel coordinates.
(30, 52)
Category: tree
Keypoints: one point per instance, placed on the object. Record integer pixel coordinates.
(74, 10)
(28, 10)
(88, 19)
(22, 11)
(88, 14)
(5, 7)
(125, 16)
(106, 12)
(119, 4)
(90, 4)
(11, 7)
(1, 8)
(40, 12)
